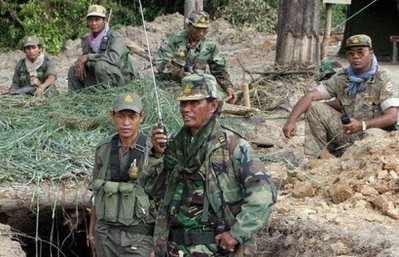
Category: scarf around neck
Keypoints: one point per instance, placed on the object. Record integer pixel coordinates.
(358, 81)
(95, 41)
(32, 67)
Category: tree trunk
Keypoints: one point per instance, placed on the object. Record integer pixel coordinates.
(191, 5)
(298, 32)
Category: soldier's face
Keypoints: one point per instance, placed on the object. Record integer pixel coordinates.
(360, 58)
(196, 113)
(196, 34)
(127, 122)
(96, 24)
(32, 52)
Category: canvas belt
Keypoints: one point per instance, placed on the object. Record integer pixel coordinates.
(141, 229)
(179, 236)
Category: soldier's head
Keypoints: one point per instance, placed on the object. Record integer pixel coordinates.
(32, 47)
(96, 18)
(200, 100)
(197, 27)
(359, 52)
(127, 114)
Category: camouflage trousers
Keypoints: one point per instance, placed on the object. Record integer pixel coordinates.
(102, 73)
(111, 241)
(323, 130)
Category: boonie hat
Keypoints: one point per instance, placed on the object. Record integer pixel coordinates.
(96, 10)
(31, 41)
(358, 40)
(199, 86)
(199, 19)
(127, 101)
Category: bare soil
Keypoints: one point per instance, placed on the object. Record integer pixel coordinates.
(346, 206)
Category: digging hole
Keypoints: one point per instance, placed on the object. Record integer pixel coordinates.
(67, 232)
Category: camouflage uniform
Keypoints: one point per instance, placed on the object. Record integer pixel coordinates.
(215, 183)
(323, 123)
(176, 54)
(112, 65)
(125, 214)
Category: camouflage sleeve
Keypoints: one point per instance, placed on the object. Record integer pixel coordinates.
(116, 50)
(50, 69)
(15, 78)
(165, 55)
(389, 94)
(218, 67)
(260, 194)
(335, 85)
(155, 177)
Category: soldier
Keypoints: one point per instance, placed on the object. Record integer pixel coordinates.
(123, 216)
(190, 51)
(368, 94)
(218, 193)
(35, 73)
(105, 58)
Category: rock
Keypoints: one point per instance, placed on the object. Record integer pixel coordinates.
(393, 213)
(382, 174)
(303, 189)
(368, 190)
(383, 203)
(361, 204)
(340, 192)
(393, 174)
(339, 248)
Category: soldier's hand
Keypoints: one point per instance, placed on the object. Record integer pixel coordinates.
(232, 96)
(158, 138)
(353, 127)
(92, 242)
(226, 241)
(152, 254)
(35, 81)
(79, 66)
(39, 91)
(289, 129)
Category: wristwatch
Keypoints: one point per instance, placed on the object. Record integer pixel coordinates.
(364, 125)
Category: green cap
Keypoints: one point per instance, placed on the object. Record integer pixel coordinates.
(127, 101)
(31, 41)
(199, 86)
(96, 10)
(199, 19)
(358, 40)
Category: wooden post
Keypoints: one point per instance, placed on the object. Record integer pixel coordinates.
(327, 32)
(245, 94)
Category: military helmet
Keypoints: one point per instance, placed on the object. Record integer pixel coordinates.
(199, 86)
(31, 41)
(358, 40)
(199, 19)
(96, 10)
(127, 101)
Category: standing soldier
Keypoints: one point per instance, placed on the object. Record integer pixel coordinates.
(105, 58)
(368, 93)
(190, 52)
(35, 73)
(123, 216)
(218, 193)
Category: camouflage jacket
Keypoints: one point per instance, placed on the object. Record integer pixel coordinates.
(232, 169)
(116, 53)
(21, 76)
(381, 93)
(175, 54)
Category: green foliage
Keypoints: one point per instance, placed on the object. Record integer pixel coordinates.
(258, 14)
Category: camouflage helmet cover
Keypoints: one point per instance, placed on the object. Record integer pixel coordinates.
(199, 19)
(199, 86)
(358, 40)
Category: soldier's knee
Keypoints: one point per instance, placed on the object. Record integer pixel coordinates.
(101, 67)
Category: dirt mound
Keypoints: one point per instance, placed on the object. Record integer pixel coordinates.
(8, 245)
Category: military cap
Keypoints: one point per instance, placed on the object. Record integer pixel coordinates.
(199, 19)
(96, 10)
(127, 101)
(31, 41)
(358, 40)
(199, 86)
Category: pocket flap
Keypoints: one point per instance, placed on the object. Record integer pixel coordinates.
(97, 184)
(126, 188)
(111, 187)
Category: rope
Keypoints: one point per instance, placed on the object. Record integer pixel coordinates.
(361, 10)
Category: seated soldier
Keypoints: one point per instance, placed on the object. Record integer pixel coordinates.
(35, 73)
(105, 58)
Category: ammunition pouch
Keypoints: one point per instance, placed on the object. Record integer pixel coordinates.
(179, 236)
(120, 202)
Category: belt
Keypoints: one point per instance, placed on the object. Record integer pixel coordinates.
(179, 236)
(141, 229)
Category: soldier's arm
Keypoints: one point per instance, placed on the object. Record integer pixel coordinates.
(218, 67)
(116, 50)
(259, 192)
(15, 80)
